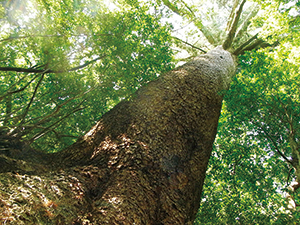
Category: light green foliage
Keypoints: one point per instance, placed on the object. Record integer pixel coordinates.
(129, 48)
(248, 178)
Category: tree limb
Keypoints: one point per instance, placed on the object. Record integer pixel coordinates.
(31, 70)
(172, 7)
(197, 22)
(30, 102)
(231, 16)
(19, 90)
(46, 130)
(243, 27)
(231, 34)
(193, 46)
(191, 11)
(58, 108)
(254, 45)
(276, 147)
(240, 49)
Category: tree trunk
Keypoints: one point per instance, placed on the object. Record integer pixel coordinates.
(143, 163)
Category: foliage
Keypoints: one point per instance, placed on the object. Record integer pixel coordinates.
(87, 58)
(84, 57)
(250, 169)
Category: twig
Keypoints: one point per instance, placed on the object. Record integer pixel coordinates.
(31, 100)
(189, 44)
(46, 130)
(276, 147)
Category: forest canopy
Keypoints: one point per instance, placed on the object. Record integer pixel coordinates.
(66, 63)
(63, 64)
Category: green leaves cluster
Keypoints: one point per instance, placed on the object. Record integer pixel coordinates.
(251, 166)
(88, 58)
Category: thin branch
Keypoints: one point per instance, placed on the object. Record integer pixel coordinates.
(240, 48)
(189, 44)
(86, 64)
(276, 147)
(231, 16)
(243, 27)
(31, 70)
(58, 108)
(191, 11)
(46, 130)
(231, 34)
(19, 90)
(31, 100)
(47, 36)
(206, 32)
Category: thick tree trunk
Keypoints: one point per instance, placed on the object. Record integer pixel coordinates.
(143, 163)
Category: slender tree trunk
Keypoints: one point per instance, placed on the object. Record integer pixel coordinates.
(143, 163)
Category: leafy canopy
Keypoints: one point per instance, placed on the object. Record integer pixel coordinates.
(63, 64)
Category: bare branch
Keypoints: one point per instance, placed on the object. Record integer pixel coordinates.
(240, 49)
(231, 16)
(48, 129)
(19, 90)
(231, 34)
(31, 100)
(189, 44)
(57, 109)
(276, 146)
(197, 22)
(31, 70)
(243, 27)
(47, 36)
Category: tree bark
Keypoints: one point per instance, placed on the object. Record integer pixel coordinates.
(144, 162)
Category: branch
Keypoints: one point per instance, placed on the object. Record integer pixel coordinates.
(47, 36)
(48, 129)
(189, 44)
(231, 16)
(191, 11)
(31, 100)
(240, 49)
(31, 70)
(19, 90)
(276, 147)
(58, 108)
(231, 34)
(207, 34)
(254, 45)
(172, 7)
(243, 27)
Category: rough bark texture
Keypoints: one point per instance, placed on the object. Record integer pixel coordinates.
(143, 163)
